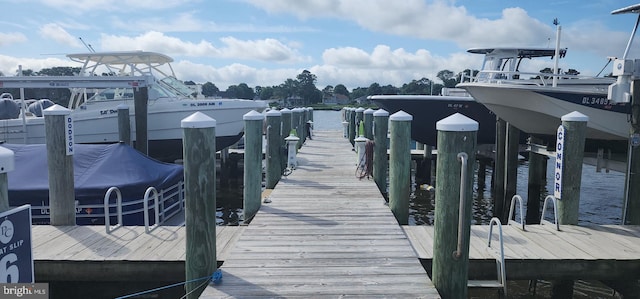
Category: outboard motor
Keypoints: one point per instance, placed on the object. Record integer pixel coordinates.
(36, 107)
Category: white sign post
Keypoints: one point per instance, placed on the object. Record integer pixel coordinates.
(557, 189)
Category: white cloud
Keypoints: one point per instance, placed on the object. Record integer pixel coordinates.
(11, 38)
(57, 33)
(9, 65)
(263, 50)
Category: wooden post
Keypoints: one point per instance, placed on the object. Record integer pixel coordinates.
(400, 165)
(537, 168)
(368, 123)
(575, 128)
(124, 124)
(352, 126)
(499, 169)
(380, 162)
(511, 164)
(273, 152)
(59, 138)
(140, 100)
(199, 151)
(252, 163)
(7, 163)
(359, 119)
(284, 133)
(456, 134)
(296, 121)
(632, 187)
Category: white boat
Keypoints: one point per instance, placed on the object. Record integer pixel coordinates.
(95, 112)
(534, 104)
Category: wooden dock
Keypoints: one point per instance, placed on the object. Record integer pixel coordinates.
(596, 252)
(88, 253)
(326, 234)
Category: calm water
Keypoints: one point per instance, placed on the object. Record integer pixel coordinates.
(600, 203)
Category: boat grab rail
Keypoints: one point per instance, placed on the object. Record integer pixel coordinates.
(514, 199)
(107, 220)
(554, 201)
(463, 158)
(544, 79)
(156, 209)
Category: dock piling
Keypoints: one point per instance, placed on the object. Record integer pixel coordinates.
(575, 128)
(7, 164)
(252, 163)
(380, 162)
(452, 223)
(59, 138)
(400, 165)
(141, 99)
(273, 152)
(124, 124)
(199, 151)
(368, 123)
(286, 116)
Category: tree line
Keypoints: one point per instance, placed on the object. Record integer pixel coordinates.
(302, 88)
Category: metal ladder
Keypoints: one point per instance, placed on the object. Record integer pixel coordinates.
(501, 281)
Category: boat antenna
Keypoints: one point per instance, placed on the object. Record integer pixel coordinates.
(88, 46)
(609, 59)
(629, 9)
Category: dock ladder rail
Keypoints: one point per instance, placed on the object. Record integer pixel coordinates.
(156, 210)
(501, 281)
(107, 220)
(511, 220)
(554, 201)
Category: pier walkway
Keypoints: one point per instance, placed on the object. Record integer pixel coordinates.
(325, 234)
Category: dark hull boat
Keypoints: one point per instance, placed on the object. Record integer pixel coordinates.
(427, 110)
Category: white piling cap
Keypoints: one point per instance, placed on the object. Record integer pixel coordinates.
(292, 138)
(457, 123)
(7, 160)
(401, 116)
(369, 111)
(285, 111)
(123, 107)
(56, 110)
(198, 120)
(381, 112)
(273, 112)
(359, 109)
(253, 115)
(575, 116)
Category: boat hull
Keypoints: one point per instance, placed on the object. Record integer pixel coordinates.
(98, 123)
(538, 110)
(427, 110)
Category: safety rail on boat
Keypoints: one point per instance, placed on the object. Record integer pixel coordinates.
(156, 209)
(463, 157)
(554, 201)
(501, 280)
(107, 219)
(539, 79)
(511, 219)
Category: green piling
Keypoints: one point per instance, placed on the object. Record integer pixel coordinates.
(368, 123)
(380, 161)
(456, 134)
(252, 163)
(199, 152)
(124, 124)
(273, 152)
(286, 115)
(352, 126)
(400, 165)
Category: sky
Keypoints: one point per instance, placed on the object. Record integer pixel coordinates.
(350, 42)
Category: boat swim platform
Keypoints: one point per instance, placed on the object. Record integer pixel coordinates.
(594, 252)
(325, 234)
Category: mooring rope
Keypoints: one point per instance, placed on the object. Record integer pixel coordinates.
(365, 165)
(216, 278)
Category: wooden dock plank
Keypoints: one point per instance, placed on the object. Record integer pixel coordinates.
(325, 233)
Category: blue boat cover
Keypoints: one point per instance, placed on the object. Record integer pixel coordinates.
(96, 169)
